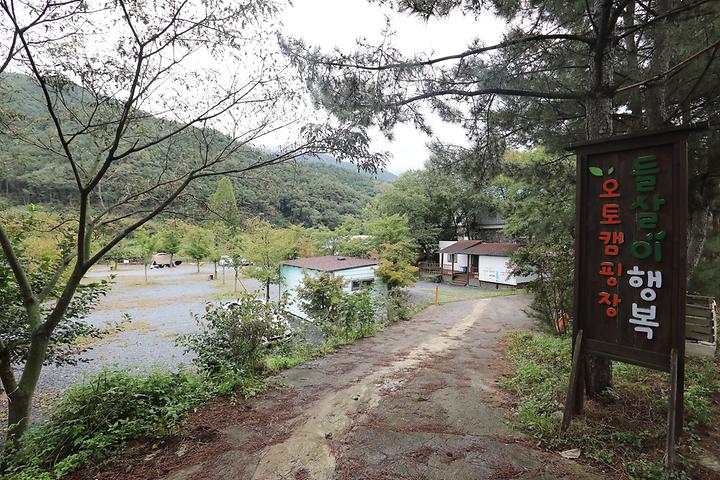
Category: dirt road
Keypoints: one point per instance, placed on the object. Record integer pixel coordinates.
(417, 401)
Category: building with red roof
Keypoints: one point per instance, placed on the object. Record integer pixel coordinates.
(472, 262)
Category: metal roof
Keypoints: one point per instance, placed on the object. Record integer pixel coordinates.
(459, 246)
(476, 247)
(330, 263)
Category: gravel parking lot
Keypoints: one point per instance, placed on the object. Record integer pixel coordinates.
(161, 309)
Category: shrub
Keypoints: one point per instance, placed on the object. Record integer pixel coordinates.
(233, 338)
(96, 417)
(358, 314)
(553, 264)
(321, 297)
(399, 305)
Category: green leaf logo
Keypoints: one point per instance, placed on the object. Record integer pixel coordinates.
(612, 169)
(596, 171)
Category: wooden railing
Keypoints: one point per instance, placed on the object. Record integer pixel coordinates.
(700, 319)
(429, 268)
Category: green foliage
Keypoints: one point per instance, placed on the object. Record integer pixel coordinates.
(538, 203)
(396, 267)
(399, 305)
(96, 417)
(43, 256)
(35, 175)
(321, 297)
(437, 206)
(553, 265)
(537, 192)
(223, 203)
(541, 371)
(197, 245)
(387, 229)
(147, 244)
(344, 316)
(706, 277)
(233, 338)
(170, 240)
(359, 313)
(266, 246)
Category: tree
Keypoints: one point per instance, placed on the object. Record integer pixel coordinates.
(223, 203)
(396, 267)
(233, 340)
(396, 270)
(196, 245)
(266, 246)
(151, 90)
(147, 246)
(236, 252)
(564, 72)
(387, 229)
(218, 239)
(537, 199)
(170, 241)
(321, 298)
(17, 336)
(437, 206)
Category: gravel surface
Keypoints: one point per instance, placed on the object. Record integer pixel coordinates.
(160, 310)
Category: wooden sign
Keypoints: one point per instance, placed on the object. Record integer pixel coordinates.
(630, 258)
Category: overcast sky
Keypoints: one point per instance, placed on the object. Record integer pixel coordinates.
(338, 23)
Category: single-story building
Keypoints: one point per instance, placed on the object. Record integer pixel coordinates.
(356, 272)
(471, 262)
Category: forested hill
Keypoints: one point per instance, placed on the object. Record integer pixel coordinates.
(310, 191)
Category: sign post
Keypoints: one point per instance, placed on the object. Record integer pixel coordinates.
(630, 261)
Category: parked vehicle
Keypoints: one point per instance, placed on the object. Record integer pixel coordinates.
(162, 260)
(226, 261)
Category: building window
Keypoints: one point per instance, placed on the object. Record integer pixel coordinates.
(358, 284)
(451, 258)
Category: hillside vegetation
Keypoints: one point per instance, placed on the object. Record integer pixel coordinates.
(311, 191)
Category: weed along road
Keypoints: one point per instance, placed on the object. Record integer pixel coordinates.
(417, 401)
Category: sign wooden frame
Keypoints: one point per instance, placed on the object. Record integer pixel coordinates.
(614, 339)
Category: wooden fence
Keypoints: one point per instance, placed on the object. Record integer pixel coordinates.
(429, 268)
(700, 319)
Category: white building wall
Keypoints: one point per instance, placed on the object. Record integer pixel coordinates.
(291, 277)
(460, 259)
(497, 270)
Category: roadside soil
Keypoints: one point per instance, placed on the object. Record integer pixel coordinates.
(418, 401)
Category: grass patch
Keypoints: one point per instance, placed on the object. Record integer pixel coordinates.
(625, 432)
(458, 295)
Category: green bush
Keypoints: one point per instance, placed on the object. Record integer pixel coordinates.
(321, 297)
(358, 314)
(233, 339)
(400, 306)
(96, 417)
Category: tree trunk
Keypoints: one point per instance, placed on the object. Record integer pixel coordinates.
(656, 94)
(267, 290)
(146, 281)
(197, 263)
(599, 124)
(698, 223)
(633, 70)
(20, 400)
